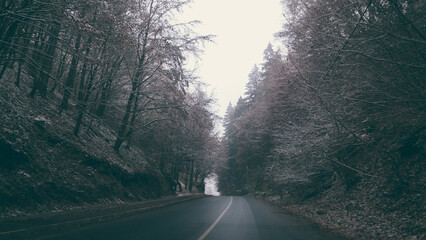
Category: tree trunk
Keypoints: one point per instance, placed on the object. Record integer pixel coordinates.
(59, 71)
(125, 121)
(186, 176)
(191, 183)
(6, 45)
(34, 66)
(177, 181)
(108, 75)
(23, 53)
(83, 104)
(71, 75)
(130, 102)
(47, 60)
(18, 75)
(83, 93)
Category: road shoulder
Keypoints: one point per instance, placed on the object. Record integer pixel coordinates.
(37, 227)
(299, 220)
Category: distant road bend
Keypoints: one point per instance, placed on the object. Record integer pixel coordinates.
(205, 219)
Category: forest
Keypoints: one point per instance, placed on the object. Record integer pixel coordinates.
(98, 93)
(95, 90)
(334, 125)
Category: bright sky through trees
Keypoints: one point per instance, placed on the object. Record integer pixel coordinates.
(243, 28)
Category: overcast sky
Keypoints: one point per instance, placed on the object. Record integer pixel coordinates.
(243, 29)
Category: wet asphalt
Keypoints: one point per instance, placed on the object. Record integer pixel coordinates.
(206, 219)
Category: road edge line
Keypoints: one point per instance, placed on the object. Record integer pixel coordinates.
(215, 222)
(99, 218)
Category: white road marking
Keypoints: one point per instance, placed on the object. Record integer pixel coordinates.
(215, 222)
(90, 219)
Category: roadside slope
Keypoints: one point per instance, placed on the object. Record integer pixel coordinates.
(44, 167)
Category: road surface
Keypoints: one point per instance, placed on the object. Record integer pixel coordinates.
(205, 219)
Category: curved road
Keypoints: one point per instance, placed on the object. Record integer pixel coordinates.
(206, 219)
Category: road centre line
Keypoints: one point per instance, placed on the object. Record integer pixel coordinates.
(215, 222)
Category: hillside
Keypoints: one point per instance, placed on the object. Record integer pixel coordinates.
(100, 104)
(45, 167)
(333, 126)
(91, 112)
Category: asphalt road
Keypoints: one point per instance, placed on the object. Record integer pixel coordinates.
(205, 219)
